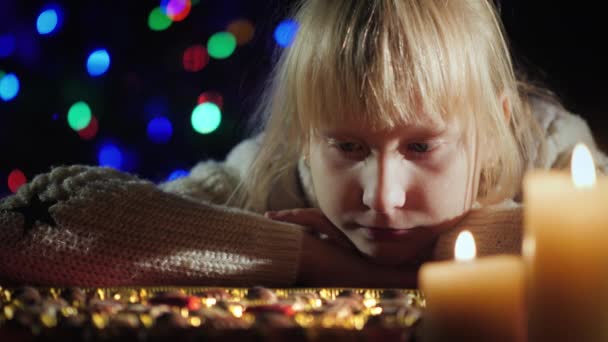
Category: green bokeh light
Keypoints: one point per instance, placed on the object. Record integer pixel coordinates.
(2, 73)
(158, 20)
(79, 116)
(206, 118)
(221, 45)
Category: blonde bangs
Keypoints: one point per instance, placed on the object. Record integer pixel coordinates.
(377, 66)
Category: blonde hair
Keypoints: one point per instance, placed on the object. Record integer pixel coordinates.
(383, 62)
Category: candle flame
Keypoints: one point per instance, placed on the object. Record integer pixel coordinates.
(465, 246)
(582, 167)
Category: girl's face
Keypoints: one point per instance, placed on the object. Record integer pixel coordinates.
(391, 191)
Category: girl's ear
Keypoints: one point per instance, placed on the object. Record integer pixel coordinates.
(506, 107)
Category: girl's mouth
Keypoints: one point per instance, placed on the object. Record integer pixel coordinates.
(385, 234)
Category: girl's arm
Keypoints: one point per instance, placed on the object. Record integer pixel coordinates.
(92, 226)
(497, 229)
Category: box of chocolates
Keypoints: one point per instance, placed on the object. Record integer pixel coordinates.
(209, 313)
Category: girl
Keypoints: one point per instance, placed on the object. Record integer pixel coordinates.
(388, 126)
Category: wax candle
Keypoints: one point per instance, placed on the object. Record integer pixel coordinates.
(473, 299)
(565, 250)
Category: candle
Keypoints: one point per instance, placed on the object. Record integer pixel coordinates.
(473, 299)
(565, 251)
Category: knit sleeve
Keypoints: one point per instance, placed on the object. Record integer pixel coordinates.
(497, 229)
(91, 226)
(215, 181)
(210, 181)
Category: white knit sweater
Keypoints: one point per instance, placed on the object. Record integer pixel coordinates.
(92, 226)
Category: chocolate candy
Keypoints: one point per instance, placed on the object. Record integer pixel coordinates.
(27, 295)
(262, 294)
(74, 295)
(393, 294)
(176, 299)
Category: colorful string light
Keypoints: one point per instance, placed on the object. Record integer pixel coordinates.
(160, 130)
(206, 118)
(9, 87)
(98, 62)
(221, 45)
(15, 180)
(285, 33)
(79, 115)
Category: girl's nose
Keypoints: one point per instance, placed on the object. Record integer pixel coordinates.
(383, 190)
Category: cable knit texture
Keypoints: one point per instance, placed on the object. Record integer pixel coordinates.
(115, 229)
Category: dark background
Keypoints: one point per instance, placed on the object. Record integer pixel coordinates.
(560, 46)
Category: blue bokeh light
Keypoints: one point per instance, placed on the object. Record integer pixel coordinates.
(49, 20)
(179, 173)
(110, 155)
(7, 45)
(286, 32)
(160, 130)
(9, 87)
(98, 62)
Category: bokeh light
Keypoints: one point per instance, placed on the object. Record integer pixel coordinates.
(16, 179)
(91, 130)
(9, 87)
(195, 58)
(158, 20)
(7, 45)
(176, 10)
(242, 29)
(160, 130)
(79, 115)
(110, 155)
(2, 73)
(179, 173)
(211, 96)
(221, 45)
(49, 20)
(98, 62)
(286, 32)
(206, 118)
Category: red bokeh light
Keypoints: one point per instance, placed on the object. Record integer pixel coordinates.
(213, 97)
(195, 58)
(15, 180)
(178, 10)
(91, 130)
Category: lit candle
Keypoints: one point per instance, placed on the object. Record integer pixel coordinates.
(566, 252)
(473, 299)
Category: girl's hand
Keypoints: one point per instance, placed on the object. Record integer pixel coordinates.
(315, 221)
(324, 264)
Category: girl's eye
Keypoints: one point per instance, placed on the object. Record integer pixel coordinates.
(418, 147)
(350, 150)
(349, 147)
